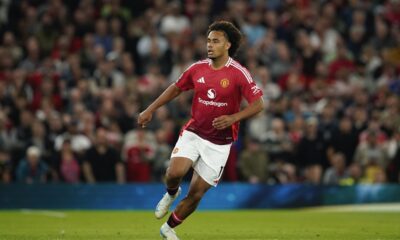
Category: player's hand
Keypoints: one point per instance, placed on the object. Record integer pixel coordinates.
(223, 122)
(144, 118)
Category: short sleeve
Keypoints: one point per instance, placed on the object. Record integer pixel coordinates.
(185, 81)
(249, 89)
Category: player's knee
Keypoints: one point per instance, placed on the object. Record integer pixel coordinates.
(173, 174)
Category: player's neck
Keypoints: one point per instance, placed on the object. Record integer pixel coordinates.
(218, 63)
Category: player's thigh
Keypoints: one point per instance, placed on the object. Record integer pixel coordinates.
(178, 167)
(183, 156)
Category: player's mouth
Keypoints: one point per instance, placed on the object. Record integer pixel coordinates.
(210, 52)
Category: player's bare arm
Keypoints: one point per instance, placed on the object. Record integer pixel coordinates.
(225, 121)
(170, 93)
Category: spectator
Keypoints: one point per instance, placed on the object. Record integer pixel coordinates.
(253, 163)
(101, 162)
(24, 130)
(258, 127)
(337, 172)
(281, 60)
(10, 43)
(309, 56)
(161, 156)
(271, 89)
(311, 152)
(32, 169)
(114, 9)
(152, 48)
(381, 39)
(296, 110)
(344, 140)
(40, 140)
(327, 122)
(354, 175)
(325, 35)
(32, 60)
(356, 40)
(139, 152)
(79, 142)
(102, 36)
(55, 127)
(47, 33)
(173, 22)
(66, 165)
(277, 142)
(8, 136)
(394, 168)
(107, 76)
(88, 53)
(253, 28)
(127, 120)
(371, 152)
(5, 166)
(360, 120)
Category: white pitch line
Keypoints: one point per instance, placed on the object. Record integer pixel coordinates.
(386, 207)
(46, 213)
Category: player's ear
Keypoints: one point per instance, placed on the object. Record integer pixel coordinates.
(228, 45)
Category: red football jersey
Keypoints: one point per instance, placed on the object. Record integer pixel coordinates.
(216, 93)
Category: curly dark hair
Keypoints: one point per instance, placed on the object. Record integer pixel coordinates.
(231, 33)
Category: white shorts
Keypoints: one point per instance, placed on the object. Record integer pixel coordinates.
(208, 158)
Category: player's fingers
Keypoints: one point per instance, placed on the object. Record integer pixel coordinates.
(216, 125)
(220, 126)
(219, 120)
(142, 121)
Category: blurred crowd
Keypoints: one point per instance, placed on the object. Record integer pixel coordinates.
(75, 74)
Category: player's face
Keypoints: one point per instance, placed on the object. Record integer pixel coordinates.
(217, 44)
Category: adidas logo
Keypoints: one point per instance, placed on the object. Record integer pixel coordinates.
(201, 80)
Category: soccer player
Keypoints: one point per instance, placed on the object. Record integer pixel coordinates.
(219, 84)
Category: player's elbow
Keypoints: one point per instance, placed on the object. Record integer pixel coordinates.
(259, 105)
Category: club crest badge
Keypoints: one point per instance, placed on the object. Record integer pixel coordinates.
(175, 150)
(224, 83)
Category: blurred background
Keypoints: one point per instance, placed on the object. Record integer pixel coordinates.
(74, 75)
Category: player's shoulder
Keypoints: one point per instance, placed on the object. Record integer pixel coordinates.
(239, 69)
(199, 64)
(233, 64)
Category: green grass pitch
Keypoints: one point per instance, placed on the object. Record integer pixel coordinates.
(202, 225)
